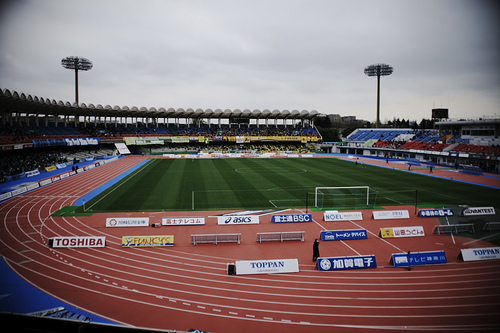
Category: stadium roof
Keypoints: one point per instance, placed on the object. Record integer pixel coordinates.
(19, 102)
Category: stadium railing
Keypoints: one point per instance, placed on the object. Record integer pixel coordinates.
(280, 236)
(215, 238)
(490, 226)
(456, 228)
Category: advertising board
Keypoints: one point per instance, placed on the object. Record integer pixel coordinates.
(238, 219)
(390, 214)
(470, 211)
(127, 221)
(198, 220)
(419, 258)
(267, 266)
(88, 241)
(438, 212)
(485, 253)
(148, 241)
(343, 263)
(396, 232)
(292, 218)
(335, 235)
(334, 215)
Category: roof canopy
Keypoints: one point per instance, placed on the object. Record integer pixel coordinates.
(15, 102)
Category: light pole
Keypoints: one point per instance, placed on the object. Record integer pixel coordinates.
(78, 64)
(378, 70)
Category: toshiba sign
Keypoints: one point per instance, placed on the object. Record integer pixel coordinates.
(77, 242)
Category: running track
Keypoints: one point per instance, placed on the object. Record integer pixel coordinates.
(187, 286)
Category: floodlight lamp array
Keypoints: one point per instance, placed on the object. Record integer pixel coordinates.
(378, 70)
(77, 63)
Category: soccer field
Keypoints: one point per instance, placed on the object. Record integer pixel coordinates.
(249, 183)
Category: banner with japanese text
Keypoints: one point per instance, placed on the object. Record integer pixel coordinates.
(419, 258)
(185, 220)
(333, 235)
(396, 232)
(342, 263)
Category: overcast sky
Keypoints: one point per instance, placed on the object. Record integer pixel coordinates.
(270, 54)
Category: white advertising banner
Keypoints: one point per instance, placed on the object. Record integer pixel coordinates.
(267, 266)
(238, 219)
(396, 232)
(334, 215)
(469, 211)
(60, 242)
(183, 220)
(485, 253)
(391, 214)
(127, 222)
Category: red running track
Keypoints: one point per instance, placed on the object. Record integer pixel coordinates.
(187, 286)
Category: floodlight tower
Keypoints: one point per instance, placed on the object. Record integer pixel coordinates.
(378, 70)
(78, 64)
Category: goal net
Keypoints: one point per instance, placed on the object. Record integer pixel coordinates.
(344, 197)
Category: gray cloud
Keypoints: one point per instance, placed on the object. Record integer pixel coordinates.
(259, 54)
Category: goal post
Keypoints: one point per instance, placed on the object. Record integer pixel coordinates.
(343, 196)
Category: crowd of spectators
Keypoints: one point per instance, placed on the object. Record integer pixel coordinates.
(25, 133)
(15, 162)
(286, 147)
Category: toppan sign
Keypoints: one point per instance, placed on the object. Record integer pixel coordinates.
(267, 266)
(485, 253)
(60, 242)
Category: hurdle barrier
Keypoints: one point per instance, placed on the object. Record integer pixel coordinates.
(456, 228)
(280, 236)
(490, 226)
(215, 238)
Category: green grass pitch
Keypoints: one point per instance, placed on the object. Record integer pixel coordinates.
(249, 183)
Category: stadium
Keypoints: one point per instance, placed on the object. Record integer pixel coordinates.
(128, 219)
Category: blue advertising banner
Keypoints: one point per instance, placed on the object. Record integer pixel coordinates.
(292, 218)
(342, 263)
(419, 258)
(333, 235)
(435, 212)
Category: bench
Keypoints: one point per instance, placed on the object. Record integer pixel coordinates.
(490, 226)
(280, 236)
(456, 228)
(215, 238)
